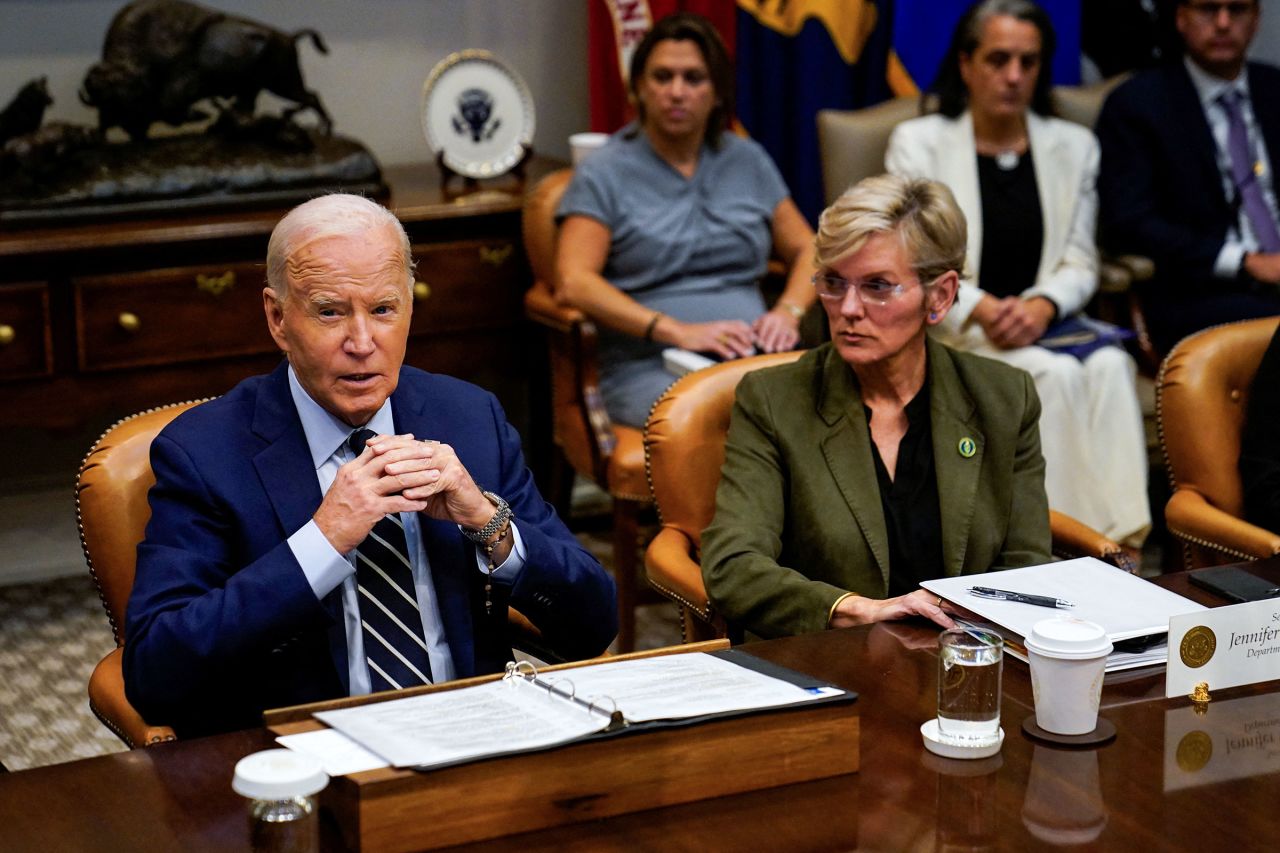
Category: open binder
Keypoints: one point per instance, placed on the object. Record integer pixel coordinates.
(527, 711)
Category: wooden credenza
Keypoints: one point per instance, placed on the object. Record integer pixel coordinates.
(98, 321)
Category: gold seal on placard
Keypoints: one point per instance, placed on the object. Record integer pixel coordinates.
(1194, 751)
(1198, 646)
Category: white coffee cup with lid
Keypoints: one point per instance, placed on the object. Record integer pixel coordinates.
(1068, 659)
(583, 144)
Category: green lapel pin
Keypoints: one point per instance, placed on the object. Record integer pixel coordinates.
(967, 447)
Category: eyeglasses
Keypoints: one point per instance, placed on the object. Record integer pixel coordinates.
(1209, 11)
(875, 291)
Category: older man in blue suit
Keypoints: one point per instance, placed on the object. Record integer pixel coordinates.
(1188, 153)
(345, 524)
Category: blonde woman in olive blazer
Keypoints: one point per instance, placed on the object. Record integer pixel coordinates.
(799, 541)
(798, 518)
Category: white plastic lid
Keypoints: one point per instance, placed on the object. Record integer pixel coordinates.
(278, 774)
(1069, 638)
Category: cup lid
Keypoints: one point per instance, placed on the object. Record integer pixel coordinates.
(1068, 637)
(278, 774)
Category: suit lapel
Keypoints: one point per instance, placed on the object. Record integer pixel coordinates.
(951, 411)
(1054, 182)
(285, 460)
(453, 569)
(958, 169)
(1267, 116)
(288, 476)
(1199, 143)
(846, 447)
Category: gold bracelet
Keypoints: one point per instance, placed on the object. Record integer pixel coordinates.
(832, 612)
(653, 324)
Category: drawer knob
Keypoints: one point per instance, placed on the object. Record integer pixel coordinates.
(421, 290)
(129, 321)
(496, 256)
(7, 334)
(216, 285)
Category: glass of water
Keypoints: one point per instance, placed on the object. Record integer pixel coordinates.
(970, 663)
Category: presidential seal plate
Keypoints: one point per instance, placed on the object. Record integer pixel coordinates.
(477, 113)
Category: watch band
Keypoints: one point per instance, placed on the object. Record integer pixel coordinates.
(501, 517)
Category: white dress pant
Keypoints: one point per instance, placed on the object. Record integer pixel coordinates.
(1091, 433)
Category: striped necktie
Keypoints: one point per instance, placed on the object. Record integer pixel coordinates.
(394, 646)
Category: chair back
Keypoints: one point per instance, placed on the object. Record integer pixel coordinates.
(852, 143)
(579, 426)
(1081, 104)
(111, 505)
(1202, 394)
(684, 441)
(538, 223)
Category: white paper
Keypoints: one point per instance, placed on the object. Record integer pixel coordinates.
(678, 361)
(458, 725)
(1123, 604)
(338, 753)
(677, 687)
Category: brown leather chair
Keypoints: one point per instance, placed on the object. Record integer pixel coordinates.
(1202, 393)
(112, 511)
(610, 455)
(684, 450)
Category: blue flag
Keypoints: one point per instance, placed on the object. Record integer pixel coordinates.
(795, 57)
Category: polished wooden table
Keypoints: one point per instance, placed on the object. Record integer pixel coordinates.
(1138, 792)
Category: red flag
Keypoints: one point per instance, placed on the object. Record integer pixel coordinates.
(614, 28)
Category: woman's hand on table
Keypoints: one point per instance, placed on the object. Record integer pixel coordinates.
(726, 338)
(776, 331)
(857, 610)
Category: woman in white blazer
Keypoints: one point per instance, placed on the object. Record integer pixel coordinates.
(1025, 182)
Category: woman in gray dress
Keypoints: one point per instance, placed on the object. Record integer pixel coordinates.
(667, 229)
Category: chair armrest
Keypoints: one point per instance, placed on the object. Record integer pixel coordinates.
(1114, 278)
(1073, 538)
(540, 305)
(1194, 520)
(108, 703)
(675, 573)
(1141, 268)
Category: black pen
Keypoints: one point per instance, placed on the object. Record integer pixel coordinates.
(1020, 597)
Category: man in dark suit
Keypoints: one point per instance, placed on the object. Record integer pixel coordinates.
(286, 563)
(1187, 156)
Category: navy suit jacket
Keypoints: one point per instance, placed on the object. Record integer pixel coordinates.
(222, 623)
(1160, 190)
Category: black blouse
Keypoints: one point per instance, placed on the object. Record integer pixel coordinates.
(910, 502)
(1012, 226)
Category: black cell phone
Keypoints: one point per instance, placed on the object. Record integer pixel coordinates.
(1235, 584)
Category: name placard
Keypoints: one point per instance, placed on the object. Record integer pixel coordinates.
(1225, 646)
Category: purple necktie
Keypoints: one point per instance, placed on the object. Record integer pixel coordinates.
(1245, 177)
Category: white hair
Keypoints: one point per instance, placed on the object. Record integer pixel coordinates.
(333, 215)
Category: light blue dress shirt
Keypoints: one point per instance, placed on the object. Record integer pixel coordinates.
(326, 569)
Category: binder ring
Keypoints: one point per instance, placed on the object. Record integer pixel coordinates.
(523, 669)
(594, 705)
(554, 688)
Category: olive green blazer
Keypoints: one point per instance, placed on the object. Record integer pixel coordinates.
(798, 516)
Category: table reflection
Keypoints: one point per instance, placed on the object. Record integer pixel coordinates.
(1063, 804)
